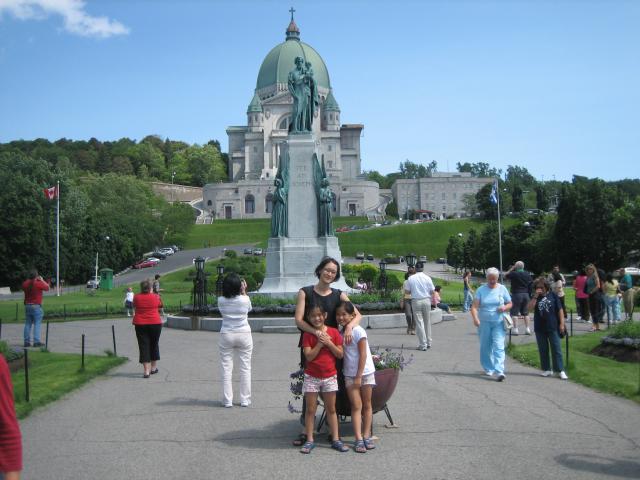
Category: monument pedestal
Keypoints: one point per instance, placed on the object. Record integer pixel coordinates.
(291, 260)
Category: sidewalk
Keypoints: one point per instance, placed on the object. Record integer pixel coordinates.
(453, 422)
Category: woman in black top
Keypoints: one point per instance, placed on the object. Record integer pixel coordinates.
(548, 323)
(328, 271)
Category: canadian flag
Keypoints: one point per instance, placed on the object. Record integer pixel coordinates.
(51, 192)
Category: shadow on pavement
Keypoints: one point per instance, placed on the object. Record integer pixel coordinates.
(190, 402)
(277, 436)
(601, 465)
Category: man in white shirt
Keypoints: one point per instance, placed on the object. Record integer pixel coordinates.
(420, 286)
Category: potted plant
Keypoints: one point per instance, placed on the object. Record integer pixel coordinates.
(388, 365)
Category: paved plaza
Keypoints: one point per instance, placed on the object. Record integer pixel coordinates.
(453, 421)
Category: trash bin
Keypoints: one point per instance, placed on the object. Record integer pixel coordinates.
(106, 279)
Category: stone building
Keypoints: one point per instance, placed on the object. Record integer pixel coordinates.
(254, 149)
(440, 195)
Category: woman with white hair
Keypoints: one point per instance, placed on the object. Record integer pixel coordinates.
(492, 300)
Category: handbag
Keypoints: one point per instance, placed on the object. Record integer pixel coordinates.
(507, 320)
(506, 317)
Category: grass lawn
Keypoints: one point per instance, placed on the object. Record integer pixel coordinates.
(52, 375)
(599, 373)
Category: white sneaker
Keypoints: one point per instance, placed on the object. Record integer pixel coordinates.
(489, 374)
(547, 373)
(528, 331)
(563, 376)
(514, 331)
(228, 405)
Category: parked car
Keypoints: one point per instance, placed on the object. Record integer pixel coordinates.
(386, 222)
(377, 224)
(166, 251)
(176, 248)
(94, 283)
(342, 229)
(248, 251)
(158, 254)
(360, 256)
(257, 251)
(391, 258)
(370, 257)
(147, 262)
(441, 260)
(422, 258)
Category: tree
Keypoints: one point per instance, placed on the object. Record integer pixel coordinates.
(479, 169)
(415, 170)
(517, 203)
(487, 209)
(392, 209)
(455, 252)
(470, 205)
(542, 198)
(517, 175)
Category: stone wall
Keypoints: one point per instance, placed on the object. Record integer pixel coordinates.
(177, 193)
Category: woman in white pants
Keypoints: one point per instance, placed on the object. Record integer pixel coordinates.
(235, 337)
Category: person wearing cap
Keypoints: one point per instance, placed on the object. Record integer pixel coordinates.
(421, 288)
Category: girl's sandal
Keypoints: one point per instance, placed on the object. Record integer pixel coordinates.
(298, 442)
(360, 447)
(368, 443)
(339, 446)
(307, 447)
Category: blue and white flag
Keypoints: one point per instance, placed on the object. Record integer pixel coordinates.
(494, 194)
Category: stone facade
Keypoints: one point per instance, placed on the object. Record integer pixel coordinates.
(442, 193)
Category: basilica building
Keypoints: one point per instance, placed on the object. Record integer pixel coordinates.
(255, 148)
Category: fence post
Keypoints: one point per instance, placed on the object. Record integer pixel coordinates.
(16, 313)
(113, 333)
(26, 374)
(106, 308)
(567, 348)
(64, 306)
(82, 366)
(571, 321)
(46, 338)
(0, 328)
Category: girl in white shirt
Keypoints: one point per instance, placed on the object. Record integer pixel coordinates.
(235, 337)
(359, 378)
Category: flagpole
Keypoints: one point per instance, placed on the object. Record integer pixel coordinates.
(58, 239)
(499, 226)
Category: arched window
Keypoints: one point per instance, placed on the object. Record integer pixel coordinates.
(209, 203)
(334, 202)
(284, 123)
(249, 204)
(268, 203)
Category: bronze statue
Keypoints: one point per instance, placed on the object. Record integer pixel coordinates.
(313, 100)
(279, 213)
(297, 88)
(325, 198)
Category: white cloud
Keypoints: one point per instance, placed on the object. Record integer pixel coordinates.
(76, 19)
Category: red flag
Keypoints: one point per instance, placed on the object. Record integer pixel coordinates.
(51, 193)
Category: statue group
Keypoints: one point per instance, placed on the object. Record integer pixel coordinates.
(305, 101)
(304, 91)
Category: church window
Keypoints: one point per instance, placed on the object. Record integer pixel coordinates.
(331, 116)
(249, 204)
(330, 148)
(209, 203)
(454, 195)
(444, 195)
(284, 123)
(235, 190)
(255, 149)
(268, 203)
(330, 163)
(334, 202)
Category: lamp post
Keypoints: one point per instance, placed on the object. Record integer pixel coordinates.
(382, 281)
(411, 259)
(220, 279)
(199, 286)
(173, 174)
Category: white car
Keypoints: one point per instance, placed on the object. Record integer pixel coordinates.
(153, 260)
(94, 283)
(166, 251)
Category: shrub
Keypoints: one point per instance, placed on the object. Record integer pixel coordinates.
(626, 329)
(230, 254)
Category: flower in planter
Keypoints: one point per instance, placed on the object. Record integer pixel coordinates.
(388, 358)
(295, 387)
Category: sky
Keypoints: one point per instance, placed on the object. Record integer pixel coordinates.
(552, 86)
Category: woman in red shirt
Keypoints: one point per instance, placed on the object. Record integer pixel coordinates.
(148, 326)
(10, 437)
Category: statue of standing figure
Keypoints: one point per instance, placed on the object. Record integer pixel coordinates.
(280, 211)
(304, 91)
(324, 196)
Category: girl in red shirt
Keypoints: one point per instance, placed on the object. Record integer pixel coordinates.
(320, 376)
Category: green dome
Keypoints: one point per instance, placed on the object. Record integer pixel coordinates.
(330, 104)
(255, 105)
(281, 60)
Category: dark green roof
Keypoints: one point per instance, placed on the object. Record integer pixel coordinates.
(255, 105)
(281, 60)
(330, 104)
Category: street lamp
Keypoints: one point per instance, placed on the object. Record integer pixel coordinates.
(382, 281)
(173, 174)
(411, 259)
(220, 279)
(199, 286)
